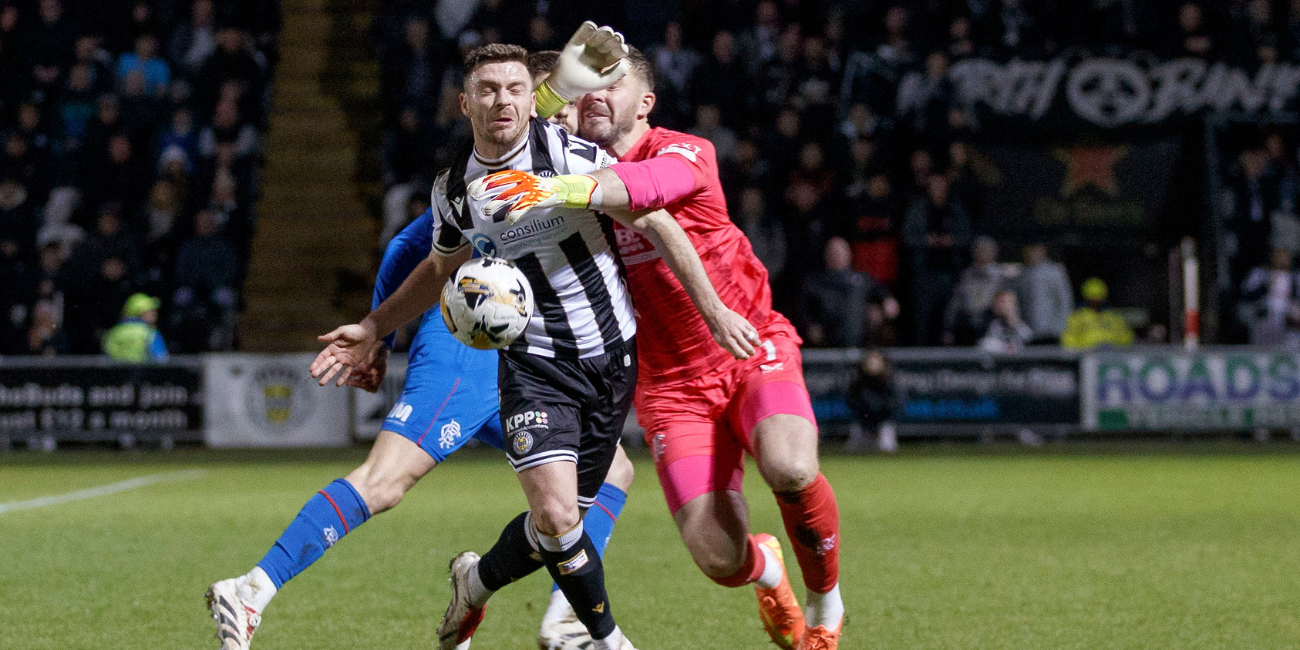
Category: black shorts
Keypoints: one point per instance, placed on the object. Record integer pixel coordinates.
(566, 410)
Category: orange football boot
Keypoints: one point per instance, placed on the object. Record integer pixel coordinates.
(820, 638)
(777, 607)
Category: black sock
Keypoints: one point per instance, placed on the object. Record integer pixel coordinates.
(511, 558)
(581, 576)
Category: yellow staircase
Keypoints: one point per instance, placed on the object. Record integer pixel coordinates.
(314, 251)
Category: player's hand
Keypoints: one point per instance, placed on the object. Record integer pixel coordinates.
(594, 58)
(735, 334)
(508, 195)
(347, 347)
(369, 376)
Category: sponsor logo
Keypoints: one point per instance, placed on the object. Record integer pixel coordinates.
(827, 545)
(527, 420)
(685, 150)
(773, 367)
(449, 435)
(599, 609)
(658, 447)
(401, 411)
(523, 442)
(485, 246)
(574, 563)
(331, 536)
(531, 229)
(277, 397)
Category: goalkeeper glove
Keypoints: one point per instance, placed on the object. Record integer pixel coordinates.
(593, 59)
(509, 195)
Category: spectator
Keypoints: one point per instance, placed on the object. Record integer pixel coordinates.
(708, 125)
(117, 175)
(232, 62)
(1092, 325)
(1043, 287)
(762, 229)
(721, 81)
(1270, 302)
(47, 47)
(847, 308)
(18, 222)
(45, 337)
(207, 269)
(872, 400)
(969, 312)
(181, 134)
(230, 131)
(935, 233)
(135, 339)
(1007, 333)
(75, 109)
(194, 41)
(412, 75)
(144, 59)
(674, 66)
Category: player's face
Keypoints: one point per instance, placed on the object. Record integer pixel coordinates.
(498, 99)
(605, 116)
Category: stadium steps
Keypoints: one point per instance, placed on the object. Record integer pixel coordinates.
(313, 252)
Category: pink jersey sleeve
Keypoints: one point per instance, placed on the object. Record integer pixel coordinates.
(676, 170)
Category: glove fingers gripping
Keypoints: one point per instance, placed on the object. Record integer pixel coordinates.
(585, 30)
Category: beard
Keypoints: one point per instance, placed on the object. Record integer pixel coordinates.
(607, 132)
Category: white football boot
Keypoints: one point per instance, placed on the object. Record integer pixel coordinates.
(462, 617)
(563, 632)
(236, 619)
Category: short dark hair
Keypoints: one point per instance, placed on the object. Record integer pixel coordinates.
(494, 53)
(641, 67)
(542, 63)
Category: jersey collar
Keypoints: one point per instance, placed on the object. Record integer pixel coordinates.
(493, 164)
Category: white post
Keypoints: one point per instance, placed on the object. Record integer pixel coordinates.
(1191, 295)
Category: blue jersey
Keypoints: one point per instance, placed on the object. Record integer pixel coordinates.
(450, 394)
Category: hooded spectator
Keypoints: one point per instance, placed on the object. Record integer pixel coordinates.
(1093, 325)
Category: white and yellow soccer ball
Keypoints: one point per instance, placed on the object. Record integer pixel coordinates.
(486, 303)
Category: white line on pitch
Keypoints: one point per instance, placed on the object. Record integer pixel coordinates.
(102, 490)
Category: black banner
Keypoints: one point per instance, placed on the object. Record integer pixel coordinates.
(101, 402)
(1079, 188)
(989, 390)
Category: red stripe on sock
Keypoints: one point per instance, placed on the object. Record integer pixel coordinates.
(439, 412)
(602, 507)
(336, 510)
(812, 520)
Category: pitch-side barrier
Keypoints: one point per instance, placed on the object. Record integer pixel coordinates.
(259, 400)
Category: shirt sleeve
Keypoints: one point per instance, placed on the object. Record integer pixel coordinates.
(698, 155)
(404, 253)
(447, 237)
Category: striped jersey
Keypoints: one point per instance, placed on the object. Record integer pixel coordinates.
(581, 303)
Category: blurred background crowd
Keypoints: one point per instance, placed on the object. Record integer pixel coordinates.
(133, 130)
(132, 134)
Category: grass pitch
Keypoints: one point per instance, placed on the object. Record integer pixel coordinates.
(940, 550)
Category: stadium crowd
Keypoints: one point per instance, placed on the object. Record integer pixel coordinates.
(131, 143)
(842, 192)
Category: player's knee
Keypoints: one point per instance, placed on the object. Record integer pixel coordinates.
(718, 563)
(381, 491)
(554, 518)
(790, 474)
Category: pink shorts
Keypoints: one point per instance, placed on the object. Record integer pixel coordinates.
(699, 430)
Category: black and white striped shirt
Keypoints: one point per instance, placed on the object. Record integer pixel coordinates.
(582, 307)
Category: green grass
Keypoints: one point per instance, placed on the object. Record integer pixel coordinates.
(940, 550)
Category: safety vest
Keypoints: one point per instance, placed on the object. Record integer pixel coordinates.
(134, 341)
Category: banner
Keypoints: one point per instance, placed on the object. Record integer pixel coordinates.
(269, 400)
(987, 390)
(1108, 93)
(1162, 390)
(100, 401)
(1050, 190)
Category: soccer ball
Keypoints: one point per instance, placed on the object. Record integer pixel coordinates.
(486, 303)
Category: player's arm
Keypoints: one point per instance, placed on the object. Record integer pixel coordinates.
(735, 334)
(405, 252)
(646, 185)
(352, 345)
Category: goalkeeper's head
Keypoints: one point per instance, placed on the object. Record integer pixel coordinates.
(497, 95)
(615, 117)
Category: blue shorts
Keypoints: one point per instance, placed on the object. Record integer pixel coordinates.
(450, 394)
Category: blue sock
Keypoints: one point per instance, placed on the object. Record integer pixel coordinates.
(599, 522)
(323, 521)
